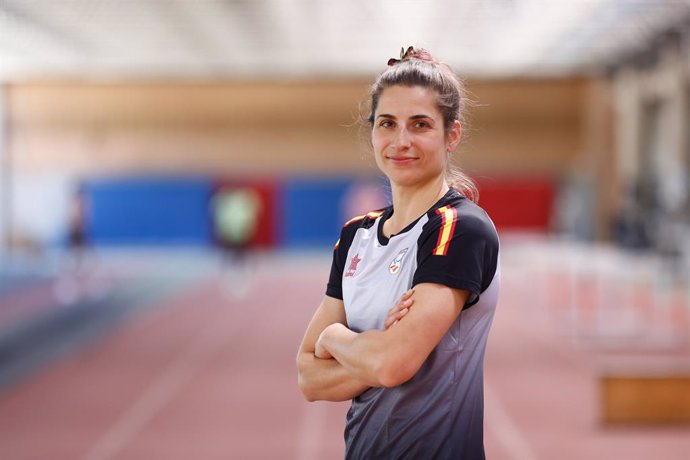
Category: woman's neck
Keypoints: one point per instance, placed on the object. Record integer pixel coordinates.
(409, 203)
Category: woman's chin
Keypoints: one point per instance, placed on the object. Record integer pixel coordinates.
(407, 180)
(411, 177)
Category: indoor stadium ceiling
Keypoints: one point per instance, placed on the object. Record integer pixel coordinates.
(307, 38)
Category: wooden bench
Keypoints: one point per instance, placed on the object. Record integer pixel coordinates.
(636, 398)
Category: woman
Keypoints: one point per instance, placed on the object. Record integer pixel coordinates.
(413, 371)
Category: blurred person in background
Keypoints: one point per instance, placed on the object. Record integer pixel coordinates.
(236, 214)
(413, 287)
(73, 282)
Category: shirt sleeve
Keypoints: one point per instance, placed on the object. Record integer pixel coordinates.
(459, 251)
(334, 288)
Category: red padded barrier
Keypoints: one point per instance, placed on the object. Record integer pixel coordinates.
(518, 203)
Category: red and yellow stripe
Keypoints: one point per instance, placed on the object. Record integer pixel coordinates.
(373, 215)
(448, 215)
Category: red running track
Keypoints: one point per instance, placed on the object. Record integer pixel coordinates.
(207, 376)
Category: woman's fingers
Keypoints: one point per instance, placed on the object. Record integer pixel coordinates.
(400, 309)
(399, 306)
(395, 317)
(405, 301)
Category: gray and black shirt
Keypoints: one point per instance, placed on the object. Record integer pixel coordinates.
(438, 413)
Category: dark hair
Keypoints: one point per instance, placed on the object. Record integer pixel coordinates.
(416, 67)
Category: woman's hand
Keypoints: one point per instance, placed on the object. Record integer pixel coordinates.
(396, 313)
(320, 351)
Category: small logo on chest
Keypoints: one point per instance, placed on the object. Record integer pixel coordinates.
(354, 262)
(394, 267)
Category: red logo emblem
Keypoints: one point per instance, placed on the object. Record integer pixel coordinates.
(394, 267)
(353, 265)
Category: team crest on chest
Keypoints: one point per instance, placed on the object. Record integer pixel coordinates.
(354, 262)
(394, 267)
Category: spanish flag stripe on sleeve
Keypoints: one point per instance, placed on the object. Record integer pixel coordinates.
(448, 215)
(372, 215)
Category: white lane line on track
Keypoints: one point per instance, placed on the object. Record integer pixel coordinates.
(504, 428)
(161, 391)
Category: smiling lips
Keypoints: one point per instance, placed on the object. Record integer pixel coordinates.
(402, 160)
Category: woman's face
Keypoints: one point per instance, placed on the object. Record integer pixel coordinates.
(410, 142)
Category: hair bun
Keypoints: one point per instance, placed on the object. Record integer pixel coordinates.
(411, 53)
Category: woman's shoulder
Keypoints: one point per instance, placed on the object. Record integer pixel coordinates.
(462, 213)
(347, 233)
(453, 203)
(365, 220)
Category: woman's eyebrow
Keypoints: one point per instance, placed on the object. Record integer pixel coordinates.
(413, 117)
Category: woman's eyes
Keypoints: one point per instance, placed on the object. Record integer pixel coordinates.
(417, 124)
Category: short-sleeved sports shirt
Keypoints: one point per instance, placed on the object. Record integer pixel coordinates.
(438, 414)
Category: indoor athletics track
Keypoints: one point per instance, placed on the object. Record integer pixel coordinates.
(180, 358)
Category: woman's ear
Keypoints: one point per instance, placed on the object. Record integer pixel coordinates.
(454, 136)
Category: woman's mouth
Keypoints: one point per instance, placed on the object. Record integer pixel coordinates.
(401, 161)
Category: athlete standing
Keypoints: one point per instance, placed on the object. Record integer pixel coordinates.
(414, 372)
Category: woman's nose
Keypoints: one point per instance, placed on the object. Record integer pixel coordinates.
(402, 139)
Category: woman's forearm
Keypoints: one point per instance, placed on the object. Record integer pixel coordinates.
(363, 355)
(326, 379)
(391, 357)
(320, 378)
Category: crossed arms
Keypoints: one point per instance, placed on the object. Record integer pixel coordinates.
(337, 364)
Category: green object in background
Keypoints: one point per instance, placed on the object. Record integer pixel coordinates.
(236, 215)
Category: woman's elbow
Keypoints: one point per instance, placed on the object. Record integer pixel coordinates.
(306, 390)
(308, 394)
(303, 384)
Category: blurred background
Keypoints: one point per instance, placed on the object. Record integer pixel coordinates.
(174, 173)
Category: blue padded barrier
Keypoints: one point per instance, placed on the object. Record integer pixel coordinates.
(148, 211)
(311, 211)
